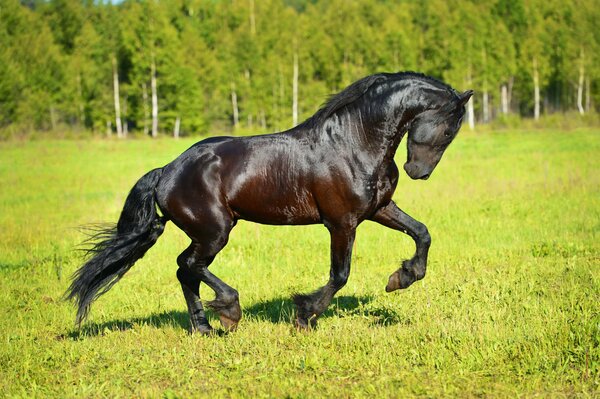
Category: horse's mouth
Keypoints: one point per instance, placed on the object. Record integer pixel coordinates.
(414, 173)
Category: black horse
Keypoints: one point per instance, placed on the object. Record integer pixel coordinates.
(336, 168)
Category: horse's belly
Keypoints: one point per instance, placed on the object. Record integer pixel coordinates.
(275, 207)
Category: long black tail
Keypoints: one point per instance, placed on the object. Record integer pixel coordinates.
(114, 250)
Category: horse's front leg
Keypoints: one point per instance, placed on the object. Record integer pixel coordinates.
(310, 306)
(412, 269)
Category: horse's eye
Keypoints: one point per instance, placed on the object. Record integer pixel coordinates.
(447, 134)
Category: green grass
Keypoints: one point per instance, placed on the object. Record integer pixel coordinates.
(509, 307)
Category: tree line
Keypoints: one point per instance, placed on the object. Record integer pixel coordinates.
(194, 66)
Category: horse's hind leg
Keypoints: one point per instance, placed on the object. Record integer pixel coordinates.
(190, 284)
(310, 306)
(193, 269)
(226, 303)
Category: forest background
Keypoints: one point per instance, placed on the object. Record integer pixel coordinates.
(192, 67)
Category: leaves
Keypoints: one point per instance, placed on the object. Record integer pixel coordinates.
(56, 56)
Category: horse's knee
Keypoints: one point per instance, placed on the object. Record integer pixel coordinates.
(185, 260)
(185, 276)
(423, 235)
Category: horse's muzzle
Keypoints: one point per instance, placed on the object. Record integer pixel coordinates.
(416, 172)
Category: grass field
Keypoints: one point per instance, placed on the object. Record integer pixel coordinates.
(509, 307)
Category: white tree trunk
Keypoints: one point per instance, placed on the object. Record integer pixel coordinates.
(504, 95)
(234, 105)
(176, 128)
(580, 84)
(470, 107)
(536, 91)
(116, 97)
(471, 114)
(154, 98)
(146, 108)
(295, 92)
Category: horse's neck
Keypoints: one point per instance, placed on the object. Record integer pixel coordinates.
(382, 135)
(373, 143)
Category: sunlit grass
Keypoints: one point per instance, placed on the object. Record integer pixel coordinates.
(509, 305)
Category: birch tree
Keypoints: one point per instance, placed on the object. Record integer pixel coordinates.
(115, 74)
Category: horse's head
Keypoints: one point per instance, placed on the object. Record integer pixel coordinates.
(430, 133)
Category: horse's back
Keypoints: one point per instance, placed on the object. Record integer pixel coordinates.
(264, 179)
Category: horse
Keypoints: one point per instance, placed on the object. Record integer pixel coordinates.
(336, 168)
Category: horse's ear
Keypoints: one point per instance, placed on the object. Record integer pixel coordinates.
(464, 97)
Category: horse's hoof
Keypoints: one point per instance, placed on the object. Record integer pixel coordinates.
(393, 283)
(202, 330)
(305, 324)
(228, 324)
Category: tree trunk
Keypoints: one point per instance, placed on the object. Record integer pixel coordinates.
(108, 128)
(116, 98)
(154, 98)
(504, 95)
(295, 92)
(536, 91)
(176, 128)
(486, 109)
(471, 113)
(580, 84)
(146, 108)
(470, 107)
(234, 105)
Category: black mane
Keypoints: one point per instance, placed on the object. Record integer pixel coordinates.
(356, 90)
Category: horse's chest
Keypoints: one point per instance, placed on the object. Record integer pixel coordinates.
(386, 184)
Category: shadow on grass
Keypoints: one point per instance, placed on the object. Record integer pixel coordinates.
(173, 318)
(277, 310)
(282, 310)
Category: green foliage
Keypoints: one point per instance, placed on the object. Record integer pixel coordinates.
(56, 57)
(509, 306)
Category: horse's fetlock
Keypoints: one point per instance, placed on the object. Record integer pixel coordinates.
(340, 280)
(419, 273)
